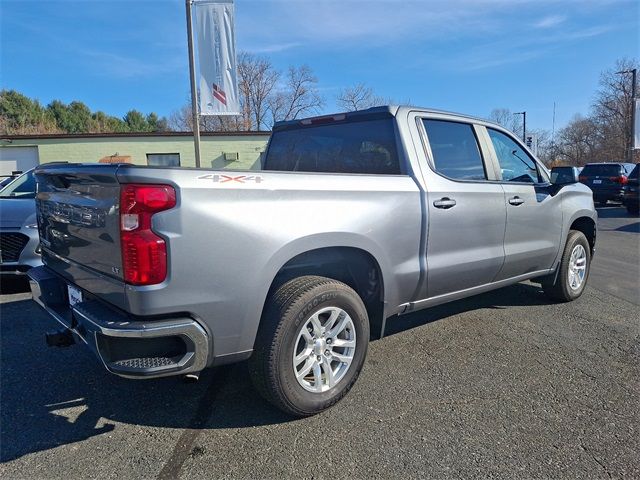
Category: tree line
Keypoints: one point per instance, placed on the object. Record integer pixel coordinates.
(268, 95)
(21, 115)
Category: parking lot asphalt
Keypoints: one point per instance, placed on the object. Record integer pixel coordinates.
(504, 384)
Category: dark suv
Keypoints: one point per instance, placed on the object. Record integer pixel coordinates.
(630, 199)
(606, 180)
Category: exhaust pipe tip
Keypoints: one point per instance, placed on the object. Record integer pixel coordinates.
(192, 377)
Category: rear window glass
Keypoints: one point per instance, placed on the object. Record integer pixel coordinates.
(612, 170)
(367, 146)
(634, 172)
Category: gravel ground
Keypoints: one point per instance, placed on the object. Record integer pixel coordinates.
(504, 384)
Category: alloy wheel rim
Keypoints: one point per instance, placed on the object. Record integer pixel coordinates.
(577, 267)
(324, 349)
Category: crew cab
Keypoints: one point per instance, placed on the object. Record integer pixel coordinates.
(355, 220)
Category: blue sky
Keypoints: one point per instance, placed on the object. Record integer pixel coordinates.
(468, 56)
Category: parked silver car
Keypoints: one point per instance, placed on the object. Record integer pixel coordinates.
(19, 242)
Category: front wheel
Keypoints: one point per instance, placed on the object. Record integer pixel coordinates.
(571, 279)
(311, 345)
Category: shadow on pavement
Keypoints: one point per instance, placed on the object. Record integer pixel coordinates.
(631, 228)
(53, 397)
(515, 295)
(13, 284)
(613, 212)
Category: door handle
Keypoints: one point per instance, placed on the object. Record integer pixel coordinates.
(445, 203)
(516, 201)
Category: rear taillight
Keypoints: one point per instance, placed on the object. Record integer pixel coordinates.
(622, 180)
(582, 178)
(144, 254)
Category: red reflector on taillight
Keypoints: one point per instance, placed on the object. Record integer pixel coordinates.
(144, 253)
(620, 179)
(582, 179)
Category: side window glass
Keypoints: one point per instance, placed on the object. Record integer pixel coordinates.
(516, 164)
(455, 150)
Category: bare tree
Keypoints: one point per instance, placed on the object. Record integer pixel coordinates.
(611, 110)
(358, 97)
(263, 99)
(507, 119)
(182, 120)
(579, 142)
(545, 150)
(298, 97)
(257, 82)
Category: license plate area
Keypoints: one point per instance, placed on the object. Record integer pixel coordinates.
(75, 295)
(597, 182)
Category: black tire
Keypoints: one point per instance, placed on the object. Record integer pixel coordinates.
(557, 286)
(287, 311)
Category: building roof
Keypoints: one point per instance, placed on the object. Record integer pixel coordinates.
(130, 135)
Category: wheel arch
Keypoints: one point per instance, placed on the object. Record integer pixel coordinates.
(356, 266)
(587, 226)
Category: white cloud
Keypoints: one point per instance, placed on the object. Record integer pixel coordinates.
(498, 53)
(383, 22)
(550, 21)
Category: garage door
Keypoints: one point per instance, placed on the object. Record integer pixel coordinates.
(17, 158)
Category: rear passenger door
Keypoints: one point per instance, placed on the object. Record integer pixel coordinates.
(466, 212)
(534, 216)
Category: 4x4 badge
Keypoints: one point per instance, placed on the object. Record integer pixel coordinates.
(220, 178)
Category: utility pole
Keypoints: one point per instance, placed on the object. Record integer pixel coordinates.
(553, 133)
(524, 124)
(194, 90)
(630, 143)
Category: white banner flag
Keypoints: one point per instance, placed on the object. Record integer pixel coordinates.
(216, 46)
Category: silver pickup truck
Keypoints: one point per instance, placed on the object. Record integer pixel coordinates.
(354, 220)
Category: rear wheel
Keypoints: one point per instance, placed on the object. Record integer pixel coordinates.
(571, 279)
(311, 345)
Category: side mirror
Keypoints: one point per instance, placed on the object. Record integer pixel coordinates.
(563, 176)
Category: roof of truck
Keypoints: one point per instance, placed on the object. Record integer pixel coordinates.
(393, 110)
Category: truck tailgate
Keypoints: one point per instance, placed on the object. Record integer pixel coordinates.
(78, 219)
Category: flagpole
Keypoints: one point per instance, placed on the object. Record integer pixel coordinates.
(194, 91)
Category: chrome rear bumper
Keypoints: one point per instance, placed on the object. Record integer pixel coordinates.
(127, 346)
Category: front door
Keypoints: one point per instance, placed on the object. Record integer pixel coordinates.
(466, 211)
(534, 216)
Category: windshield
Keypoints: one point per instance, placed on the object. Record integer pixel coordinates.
(22, 187)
